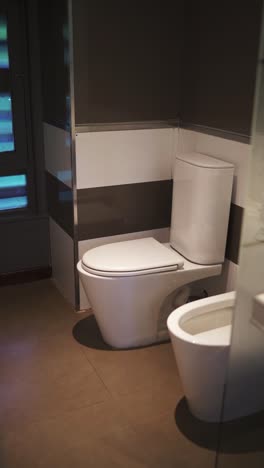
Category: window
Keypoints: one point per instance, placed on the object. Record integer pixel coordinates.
(4, 57)
(13, 192)
(6, 124)
(15, 167)
(6, 120)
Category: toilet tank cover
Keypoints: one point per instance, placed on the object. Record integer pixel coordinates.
(132, 256)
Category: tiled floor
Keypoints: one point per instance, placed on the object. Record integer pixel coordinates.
(67, 400)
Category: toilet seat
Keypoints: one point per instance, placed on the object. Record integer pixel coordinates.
(131, 258)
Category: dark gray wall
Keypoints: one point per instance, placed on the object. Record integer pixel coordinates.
(219, 63)
(156, 62)
(36, 104)
(53, 28)
(24, 244)
(126, 60)
(54, 47)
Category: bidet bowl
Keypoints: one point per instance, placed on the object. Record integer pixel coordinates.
(200, 334)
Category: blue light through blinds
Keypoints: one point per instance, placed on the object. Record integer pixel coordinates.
(4, 57)
(7, 142)
(13, 192)
(13, 203)
(13, 181)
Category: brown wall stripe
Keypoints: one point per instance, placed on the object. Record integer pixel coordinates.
(234, 233)
(60, 203)
(120, 209)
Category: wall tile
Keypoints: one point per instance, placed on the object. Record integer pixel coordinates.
(127, 61)
(60, 203)
(120, 209)
(219, 64)
(232, 151)
(232, 274)
(57, 147)
(234, 233)
(54, 50)
(225, 282)
(123, 157)
(62, 260)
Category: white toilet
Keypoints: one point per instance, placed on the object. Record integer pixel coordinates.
(134, 285)
(200, 332)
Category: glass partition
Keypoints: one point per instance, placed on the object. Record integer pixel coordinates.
(241, 441)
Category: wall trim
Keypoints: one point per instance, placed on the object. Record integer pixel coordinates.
(56, 124)
(145, 125)
(25, 276)
(227, 135)
(73, 155)
(115, 126)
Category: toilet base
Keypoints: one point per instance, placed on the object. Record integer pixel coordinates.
(131, 311)
(163, 337)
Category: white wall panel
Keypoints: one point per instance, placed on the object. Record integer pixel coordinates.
(123, 157)
(58, 153)
(62, 261)
(232, 151)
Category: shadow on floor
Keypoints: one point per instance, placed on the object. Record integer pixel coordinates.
(237, 436)
(199, 432)
(87, 333)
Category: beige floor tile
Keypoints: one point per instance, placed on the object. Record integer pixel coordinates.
(143, 407)
(128, 371)
(88, 437)
(49, 396)
(66, 404)
(44, 371)
(238, 460)
(33, 356)
(100, 436)
(166, 446)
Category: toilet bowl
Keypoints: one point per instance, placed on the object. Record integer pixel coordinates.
(133, 286)
(128, 283)
(200, 333)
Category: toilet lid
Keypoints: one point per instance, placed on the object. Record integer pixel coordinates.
(134, 257)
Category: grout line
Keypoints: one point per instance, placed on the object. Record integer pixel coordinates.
(113, 399)
(96, 372)
(42, 420)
